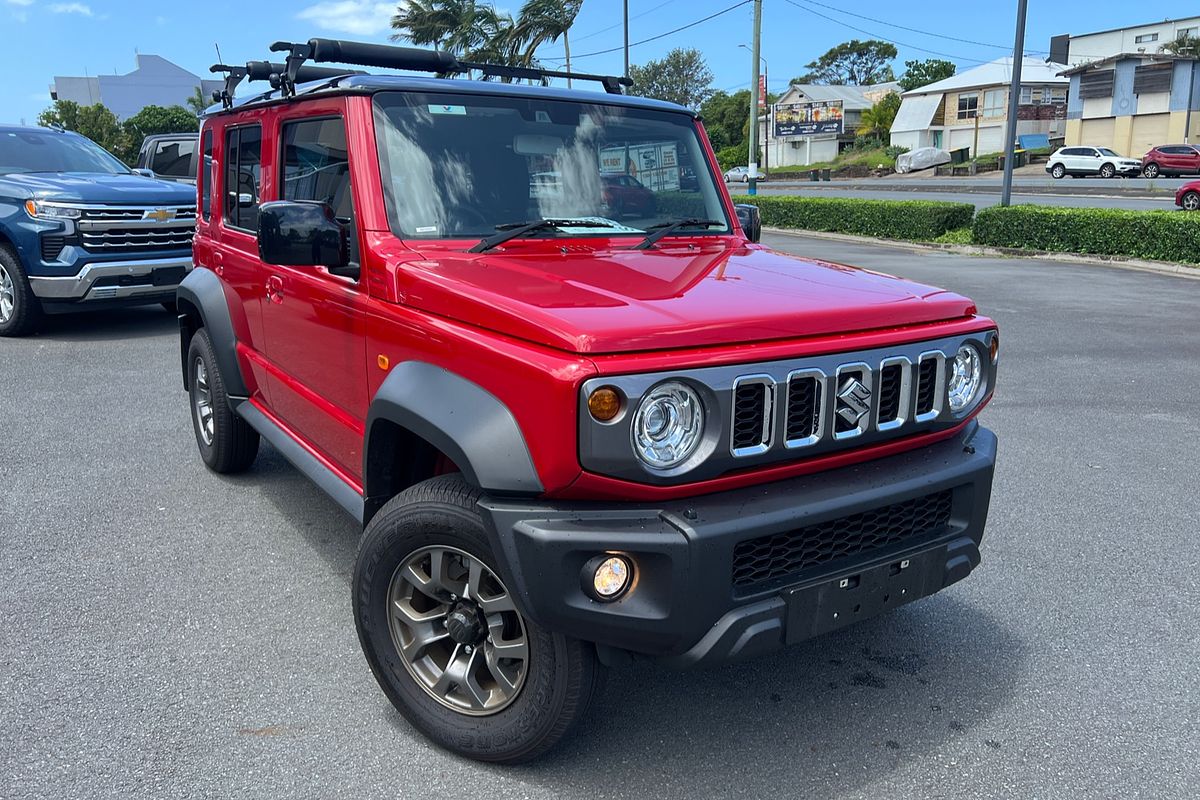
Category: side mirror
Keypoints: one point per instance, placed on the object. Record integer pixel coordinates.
(301, 234)
(750, 219)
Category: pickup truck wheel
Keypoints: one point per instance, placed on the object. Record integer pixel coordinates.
(20, 310)
(227, 443)
(446, 641)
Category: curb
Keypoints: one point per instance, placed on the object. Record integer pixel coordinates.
(1159, 267)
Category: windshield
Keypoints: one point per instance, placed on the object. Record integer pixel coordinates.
(460, 165)
(45, 150)
(1104, 151)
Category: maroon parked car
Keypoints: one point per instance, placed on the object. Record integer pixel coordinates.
(1171, 159)
(624, 194)
(1187, 196)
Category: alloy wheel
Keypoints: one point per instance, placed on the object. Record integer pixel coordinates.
(1191, 201)
(202, 401)
(457, 632)
(8, 295)
(1151, 171)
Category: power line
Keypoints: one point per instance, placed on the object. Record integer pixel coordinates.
(619, 24)
(661, 35)
(884, 38)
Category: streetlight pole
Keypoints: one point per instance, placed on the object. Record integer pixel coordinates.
(766, 131)
(752, 182)
(626, 38)
(1014, 95)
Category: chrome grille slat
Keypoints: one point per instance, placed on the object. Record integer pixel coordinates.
(126, 229)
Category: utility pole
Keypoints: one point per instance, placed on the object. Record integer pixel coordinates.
(752, 183)
(626, 38)
(1014, 96)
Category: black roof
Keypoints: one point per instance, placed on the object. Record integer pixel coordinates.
(370, 84)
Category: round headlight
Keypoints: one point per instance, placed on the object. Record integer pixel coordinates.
(966, 375)
(668, 425)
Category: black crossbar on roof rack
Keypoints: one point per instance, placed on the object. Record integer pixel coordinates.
(271, 71)
(415, 59)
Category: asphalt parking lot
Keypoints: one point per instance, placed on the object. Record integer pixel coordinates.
(169, 633)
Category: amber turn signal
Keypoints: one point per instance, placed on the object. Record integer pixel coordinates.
(994, 347)
(604, 403)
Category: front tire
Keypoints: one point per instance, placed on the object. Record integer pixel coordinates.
(1151, 170)
(227, 442)
(20, 310)
(1107, 171)
(1058, 171)
(1190, 201)
(446, 642)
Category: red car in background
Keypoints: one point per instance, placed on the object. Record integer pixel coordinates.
(1187, 196)
(624, 194)
(1171, 159)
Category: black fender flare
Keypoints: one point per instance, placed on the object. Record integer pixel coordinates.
(202, 290)
(467, 423)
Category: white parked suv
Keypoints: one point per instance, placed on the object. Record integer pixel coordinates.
(1091, 161)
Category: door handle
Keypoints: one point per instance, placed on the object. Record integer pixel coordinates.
(275, 289)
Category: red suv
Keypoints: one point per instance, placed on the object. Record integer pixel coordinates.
(571, 439)
(1171, 159)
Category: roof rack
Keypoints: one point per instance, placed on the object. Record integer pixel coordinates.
(411, 58)
(268, 71)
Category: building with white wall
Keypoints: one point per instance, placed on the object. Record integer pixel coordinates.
(156, 81)
(970, 109)
(786, 151)
(1077, 49)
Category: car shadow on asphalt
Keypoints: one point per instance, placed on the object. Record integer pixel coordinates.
(107, 325)
(845, 709)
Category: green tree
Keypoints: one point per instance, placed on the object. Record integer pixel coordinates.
(853, 62)
(726, 117)
(459, 26)
(198, 102)
(877, 120)
(95, 122)
(1183, 45)
(923, 73)
(681, 77)
(543, 21)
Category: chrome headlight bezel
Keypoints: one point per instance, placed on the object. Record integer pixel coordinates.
(41, 209)
(667, 426)
(964, 379)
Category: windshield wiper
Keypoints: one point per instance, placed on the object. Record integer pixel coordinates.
(667, 228)
(511, 230)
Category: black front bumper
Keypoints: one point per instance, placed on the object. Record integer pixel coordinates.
(739, 573)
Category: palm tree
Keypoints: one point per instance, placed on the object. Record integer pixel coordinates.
(543, 21)
(468, 29)
(877, 120)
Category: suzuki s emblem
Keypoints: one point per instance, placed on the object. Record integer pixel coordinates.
(854, 400)
(159, 215)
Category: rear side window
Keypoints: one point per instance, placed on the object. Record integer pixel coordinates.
(175, 159)
(243, 174)
(204, 178)
(316, 165)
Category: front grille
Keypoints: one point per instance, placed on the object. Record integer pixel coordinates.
(926, 386)
(117, 229)
(751, 426)
(790, 554)
(890, 379)
(52, 246)
(804, 407)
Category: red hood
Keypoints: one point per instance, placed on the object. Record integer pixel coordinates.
(614, 300)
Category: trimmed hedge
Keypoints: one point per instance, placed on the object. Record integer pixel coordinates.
(1158, 235)
(916, 220)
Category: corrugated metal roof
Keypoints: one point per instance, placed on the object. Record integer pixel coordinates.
(997, 73)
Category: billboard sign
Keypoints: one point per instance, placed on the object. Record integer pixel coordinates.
(655, 165)
(809, 119)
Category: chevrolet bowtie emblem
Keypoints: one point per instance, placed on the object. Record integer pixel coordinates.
(158, 215)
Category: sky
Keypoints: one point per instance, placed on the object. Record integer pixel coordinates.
(89, 37)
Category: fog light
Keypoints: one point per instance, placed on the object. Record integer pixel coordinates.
(604, 403)
(994, 347)
(608, 576)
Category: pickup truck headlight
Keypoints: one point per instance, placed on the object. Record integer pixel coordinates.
(966, 376)
(41, 210)
(668, 425)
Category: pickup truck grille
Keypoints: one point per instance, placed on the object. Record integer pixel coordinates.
(790, 554)
(128, 229)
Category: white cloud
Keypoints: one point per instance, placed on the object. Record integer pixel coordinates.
(19, 2)
(71, 8)
(361, 17)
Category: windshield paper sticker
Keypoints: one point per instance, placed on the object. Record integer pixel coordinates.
(603, 225)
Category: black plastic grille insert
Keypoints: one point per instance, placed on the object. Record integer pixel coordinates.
(749, 407)
(783, 554)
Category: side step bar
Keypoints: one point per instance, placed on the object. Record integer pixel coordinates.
(342, 494)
